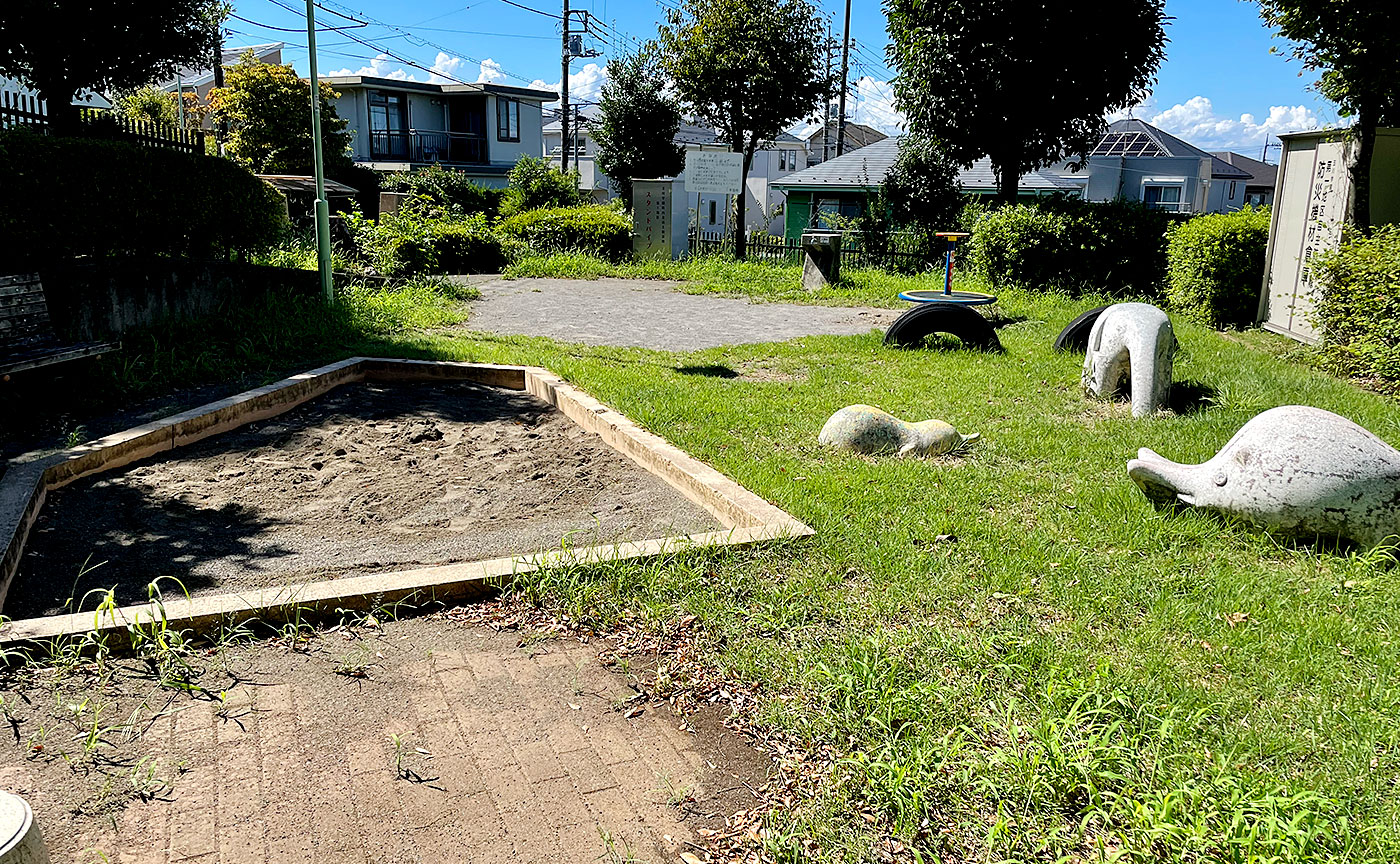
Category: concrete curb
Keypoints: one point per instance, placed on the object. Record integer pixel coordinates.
(747, 518)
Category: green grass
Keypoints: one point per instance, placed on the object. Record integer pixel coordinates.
(1075, 676)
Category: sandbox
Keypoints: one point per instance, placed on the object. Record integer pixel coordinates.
(355, 484)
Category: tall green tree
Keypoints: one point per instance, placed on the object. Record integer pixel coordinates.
(750, 68)
(61, 47)
(637, 122)
(1355, 45)
(1025, 82)
(267, 108)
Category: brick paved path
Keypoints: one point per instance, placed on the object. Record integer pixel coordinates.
(305, 772)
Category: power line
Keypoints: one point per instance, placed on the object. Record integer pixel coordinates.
(531, 9)
(413, 38)
(289, 29)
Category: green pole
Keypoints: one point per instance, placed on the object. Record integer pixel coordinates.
(323, 210)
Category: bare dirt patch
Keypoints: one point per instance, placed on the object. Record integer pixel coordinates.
(432, 739)
(366, 478)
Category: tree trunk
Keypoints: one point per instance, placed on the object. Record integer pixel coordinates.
(1008, 183)
(1361, 171)
(741, 238)
(64, 117)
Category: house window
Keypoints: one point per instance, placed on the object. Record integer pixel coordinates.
(1254, 199)
(388, 121)
(507, 119)
(1232, 190)
(1161, 196)
(787, 160)
(712, 212)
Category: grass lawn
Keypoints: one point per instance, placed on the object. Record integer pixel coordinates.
(1015, 656)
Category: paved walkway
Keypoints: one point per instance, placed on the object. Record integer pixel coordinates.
(484, 752)
(650, 314)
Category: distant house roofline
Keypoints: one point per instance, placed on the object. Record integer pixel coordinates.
(446, 89)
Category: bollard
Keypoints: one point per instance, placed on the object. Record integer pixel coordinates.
(821, 259)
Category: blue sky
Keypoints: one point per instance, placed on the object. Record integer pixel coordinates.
(1219, 88)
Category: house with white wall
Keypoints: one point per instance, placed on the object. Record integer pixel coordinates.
(479, 129)
(784, 155)
(1136, 161)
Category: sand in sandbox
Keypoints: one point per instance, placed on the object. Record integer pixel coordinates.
(365, 478)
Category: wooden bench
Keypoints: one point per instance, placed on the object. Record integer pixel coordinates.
(27, 339)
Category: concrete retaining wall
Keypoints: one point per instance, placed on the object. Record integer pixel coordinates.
(105, 299)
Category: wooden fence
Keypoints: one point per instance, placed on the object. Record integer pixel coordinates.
(904, 253)
(22, 109)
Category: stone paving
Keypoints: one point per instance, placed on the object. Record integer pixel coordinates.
(650, 314)
(492, 753)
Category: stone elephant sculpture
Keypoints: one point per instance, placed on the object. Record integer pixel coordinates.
(1294, 470)
(1131, 343)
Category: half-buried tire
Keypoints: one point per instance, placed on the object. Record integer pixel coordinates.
(910, 329)
(1075, 336)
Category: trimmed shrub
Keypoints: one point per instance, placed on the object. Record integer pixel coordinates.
(1215, 266)
(533, 183)
(592, 229)
(63, 198)
(406, 245)
(1116, 248)
(444, 192)
(1359, 307)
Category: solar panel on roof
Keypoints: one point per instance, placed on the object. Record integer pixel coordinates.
(1128, 144)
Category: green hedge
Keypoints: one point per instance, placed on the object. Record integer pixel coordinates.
(443, 191)
(593, 229)
(62, 198)
(1215, 266)
(1359, 308)
(406, 245)
(1113, 247)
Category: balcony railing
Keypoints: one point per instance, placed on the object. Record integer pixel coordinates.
(415, 145)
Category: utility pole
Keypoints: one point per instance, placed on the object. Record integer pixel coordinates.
(826, 108)
(323, 210)
(219, 128)
(573, 47)
(845, 73)
(563, 97)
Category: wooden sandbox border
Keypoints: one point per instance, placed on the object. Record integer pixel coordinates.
(746, 517)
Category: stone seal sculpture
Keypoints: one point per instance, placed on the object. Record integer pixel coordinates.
(1131, 343)
(866, 429)
(1295, 470)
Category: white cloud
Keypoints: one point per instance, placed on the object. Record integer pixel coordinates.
(447, 69)
(872, 102)
(1196, 122)
(491, 72)
(380, 67)
(584, 85)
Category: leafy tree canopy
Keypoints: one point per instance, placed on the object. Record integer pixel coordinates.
(149, 103)
(61, 47)
(268, 111)
(1025, 82)
(750, 68)
(1355, 45)
(638, 121)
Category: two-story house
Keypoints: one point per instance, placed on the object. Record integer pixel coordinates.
(783, 155)
(480, 129)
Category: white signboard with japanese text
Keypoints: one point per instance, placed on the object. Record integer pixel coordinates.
(651, 219)
(1310, 206)
(713, 172)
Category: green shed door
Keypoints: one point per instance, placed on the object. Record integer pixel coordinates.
(798, 214)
